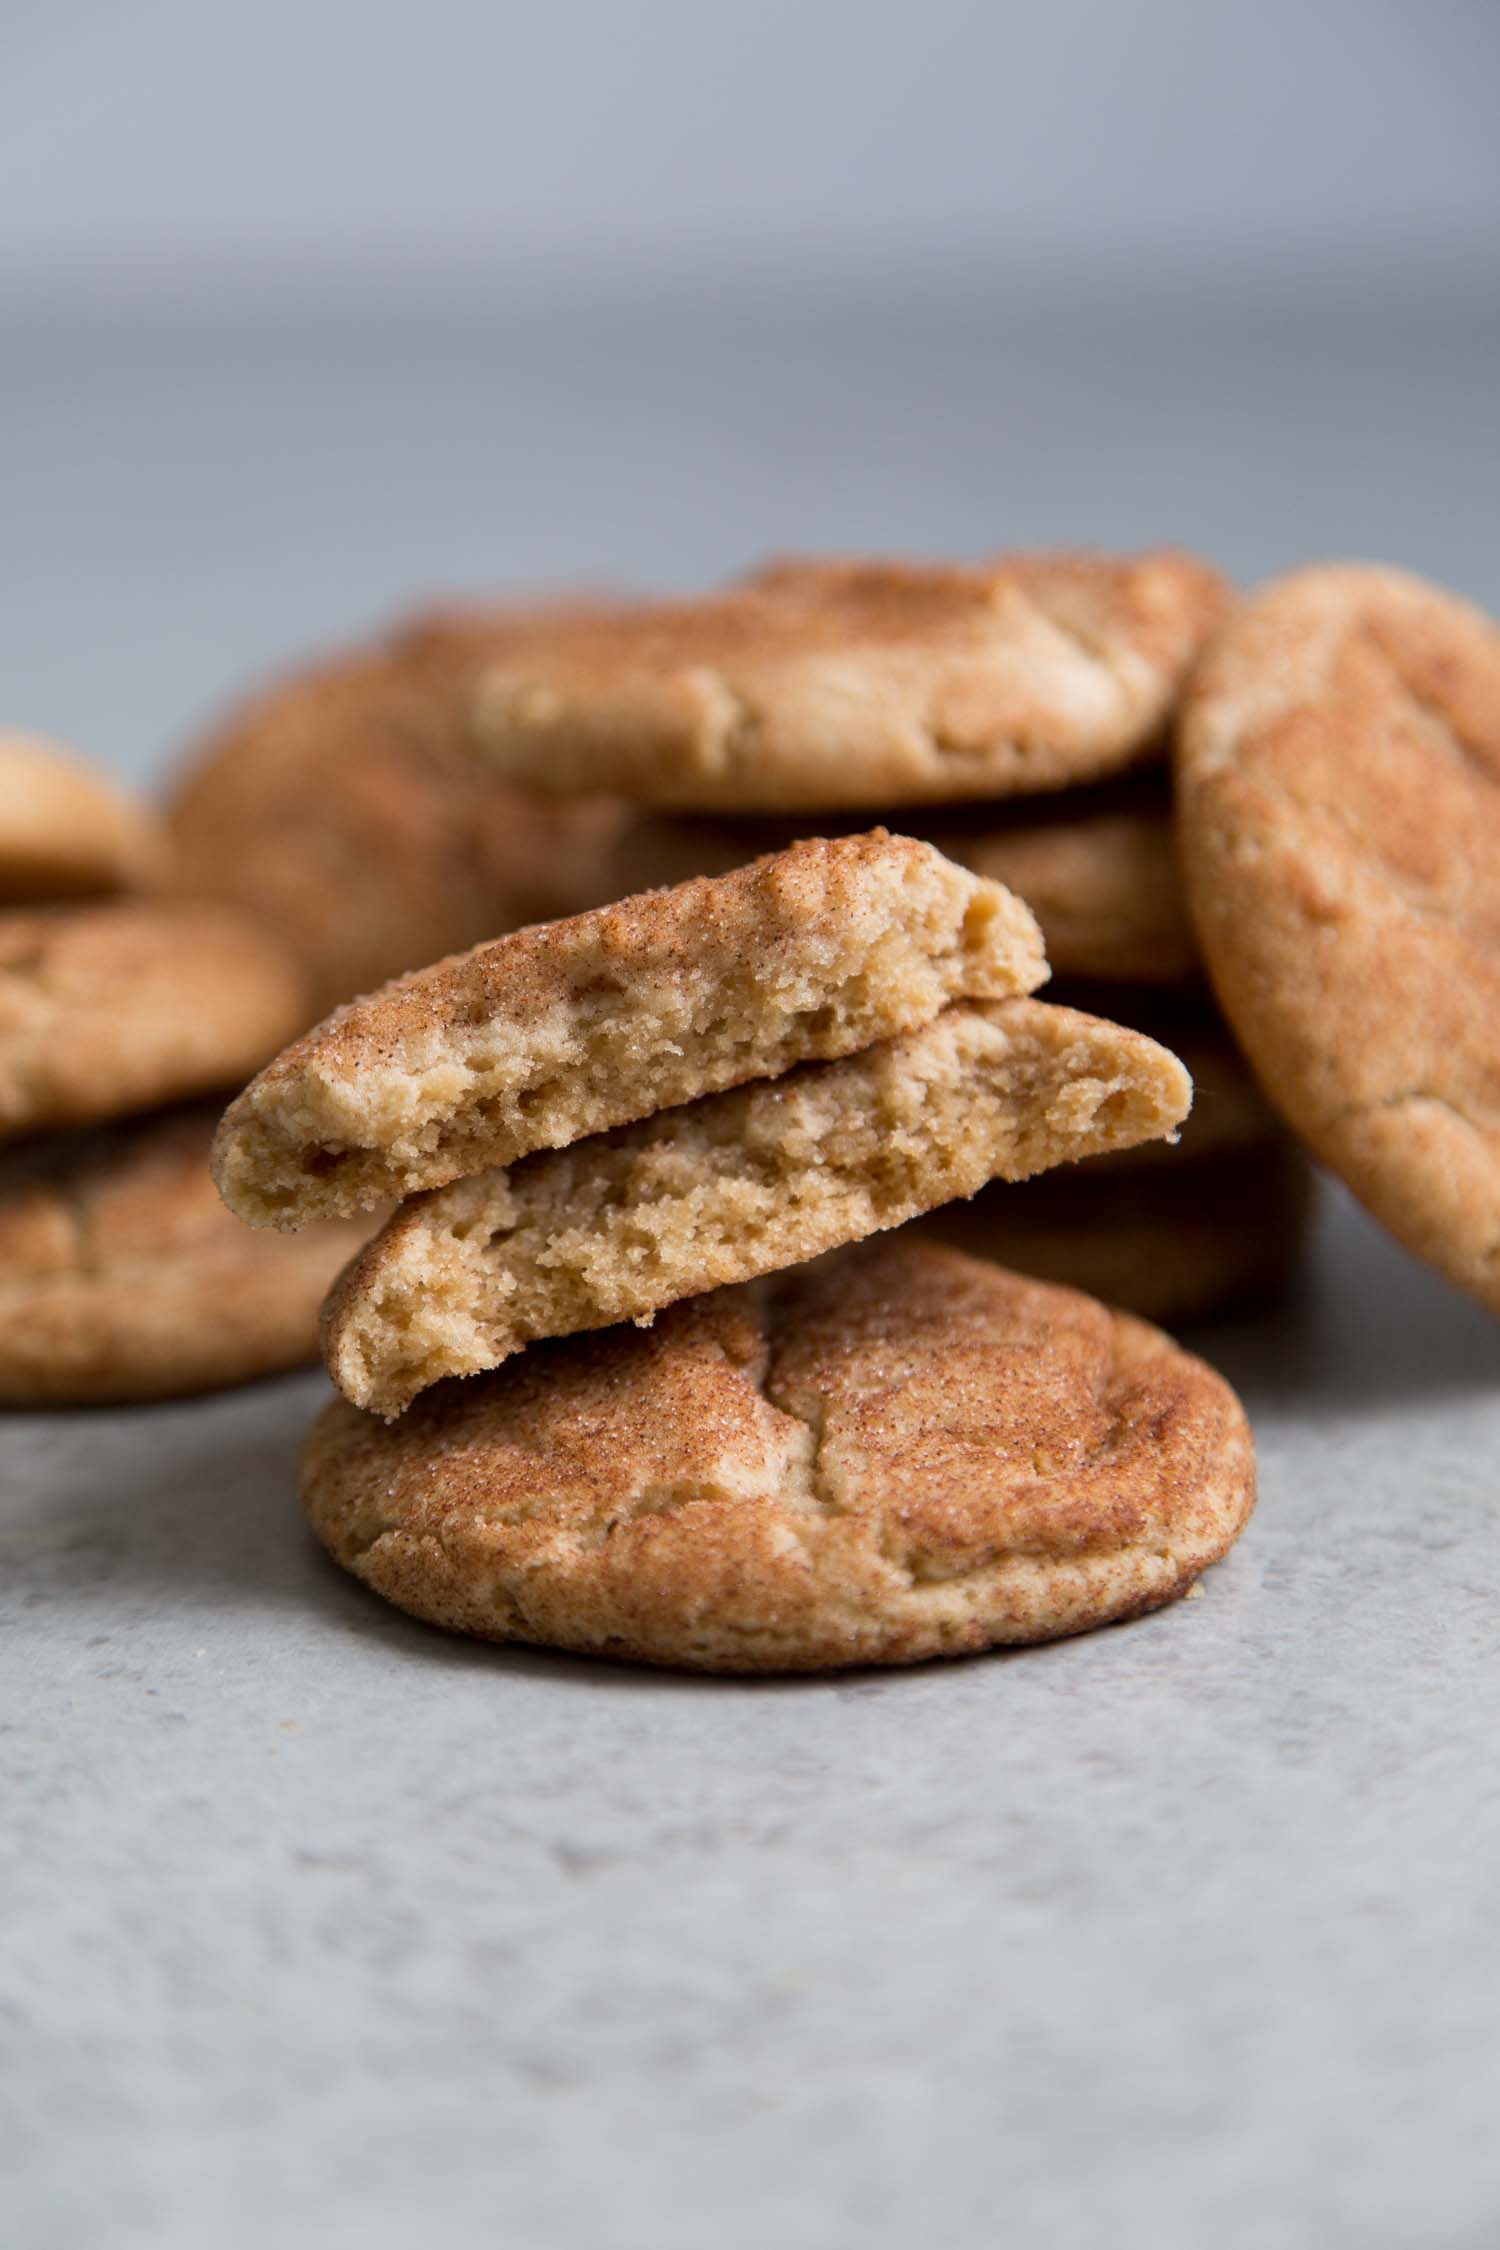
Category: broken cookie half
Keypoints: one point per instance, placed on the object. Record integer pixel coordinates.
(735, 1185)
(570, 1028)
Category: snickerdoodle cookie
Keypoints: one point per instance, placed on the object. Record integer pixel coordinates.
(848, 684)
(1339, 778)
(1172, 1244)
(345, 806)
(737, 1184)
(105, 1009)
(1230, 1114)
(66, 831)
(1097, 867)
(894, 1454)
(576, 1026)
(122, 1276)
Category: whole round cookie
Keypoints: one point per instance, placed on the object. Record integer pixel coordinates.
(66, 831)
(738, 1184)
(122, 1276)
(572, 1027)
(1097, 867)
(843, 685)
(120, 1007)
(893, 1454)
(1213, 1237)
(1339, 780)
(345, 806)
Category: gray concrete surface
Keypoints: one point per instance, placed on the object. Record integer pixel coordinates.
(319, 1929)
(324, 1929)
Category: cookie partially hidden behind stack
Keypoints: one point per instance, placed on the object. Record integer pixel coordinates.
(852, 685)
(1097, 866)
(110, 1009)
(122, 1276)
(344, 807)
(897, 1453)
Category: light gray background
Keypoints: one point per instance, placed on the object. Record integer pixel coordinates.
(319, 1929)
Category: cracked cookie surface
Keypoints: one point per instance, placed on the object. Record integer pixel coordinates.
(738, 1184)
(122, 1276)
(841, 684)
(1339, 794)
(574, 1027)
(893, 1454)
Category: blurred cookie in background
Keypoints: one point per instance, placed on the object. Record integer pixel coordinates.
(1097, 867)
(1173, 1244)
(68, 831)
(847, 685)
(344, 805)
(110, 1008)
(122, 1275)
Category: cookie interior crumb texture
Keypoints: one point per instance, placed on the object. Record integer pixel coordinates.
(737, 1184)
(894, 1454)
(573, 1027)
(344, 805)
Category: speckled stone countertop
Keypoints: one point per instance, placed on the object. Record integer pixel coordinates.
(321, 1927)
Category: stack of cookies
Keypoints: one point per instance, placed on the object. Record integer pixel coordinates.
(125, 1016)
(691, 1111)
(1017, 716)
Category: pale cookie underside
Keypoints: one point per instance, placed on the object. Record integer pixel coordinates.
(1340, 825)
(839, 685)
(122, 1276)
(896, 1454)
(574, 1027)
(736, 1185)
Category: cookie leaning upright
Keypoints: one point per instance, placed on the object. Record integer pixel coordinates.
(1339, 793)
(839, 685)
(894, 1454)
(574, 1027)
